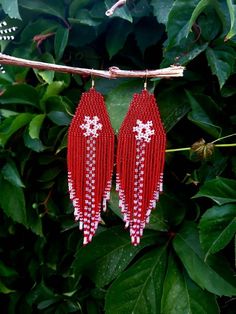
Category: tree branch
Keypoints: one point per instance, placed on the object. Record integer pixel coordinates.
(113, 72)
(118, 4)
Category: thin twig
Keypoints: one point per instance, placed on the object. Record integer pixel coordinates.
(225, 145)
(224, 137)
(173, 150)
(113, 72)
(118, 4)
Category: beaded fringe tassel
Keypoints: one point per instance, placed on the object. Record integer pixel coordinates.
(140, 162)
(90, 161)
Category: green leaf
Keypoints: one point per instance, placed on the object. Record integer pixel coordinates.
(233, 161)
(183, 58)
(173, 106)
(11, 8)
(35, 126)
(46, 303)
(232, 12)
(220, 190)
(11, 174)
(64, 78)
(53, 90)
(202, 118)
(222, 11)
(86, 33)
(57, 103)
(20, 94)
(210, 169)
(39, 292)
(60, 41)
(114, 203)
(217, 280)
(228, 91)
(217, 228)
(7, 113)
(52, 8)
(162, 9)
(50, 174)
(12, 201)
(4, 289)
(149, 35)
(86, 17)
(181, 295)
(139, 289)
(77, 5)
(157, 221)
(34, 222)
(171, 208)
(210, 25)
(221, 60)
(46, 76)
(10, 125)
(59, 117)
(141, 8)
(197, 11)
(109, 254)
(6, 271)
(118, 100)
(63, 144)
(34, 144)
(178, 21)
(117, 34)
(35, 27)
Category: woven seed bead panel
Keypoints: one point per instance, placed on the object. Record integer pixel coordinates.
(140, 162)
(90, 161)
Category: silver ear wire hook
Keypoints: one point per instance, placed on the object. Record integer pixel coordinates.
(145, 82)
(93, 82)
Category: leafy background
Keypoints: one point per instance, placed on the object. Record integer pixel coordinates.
(186, 260)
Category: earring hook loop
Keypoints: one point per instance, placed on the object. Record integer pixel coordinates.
(145, 82)
(92, 78)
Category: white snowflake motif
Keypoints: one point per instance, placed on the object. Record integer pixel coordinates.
(91, 126)
(144, 131)
(4, 36)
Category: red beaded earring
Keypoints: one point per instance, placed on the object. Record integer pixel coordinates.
(140, 162)
(90, 161)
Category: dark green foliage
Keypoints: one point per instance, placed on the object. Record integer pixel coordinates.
(186, 260)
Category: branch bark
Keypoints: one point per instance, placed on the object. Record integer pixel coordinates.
(118, 4)
(113, 72)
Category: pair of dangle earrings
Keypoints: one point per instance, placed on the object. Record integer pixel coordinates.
(140, 161)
